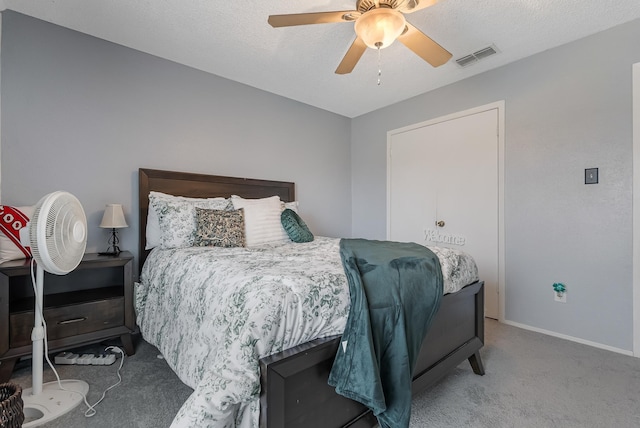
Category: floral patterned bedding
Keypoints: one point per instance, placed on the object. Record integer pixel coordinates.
(214, 312)
(458, 268)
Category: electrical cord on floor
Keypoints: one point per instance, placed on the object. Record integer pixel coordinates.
(91, 411)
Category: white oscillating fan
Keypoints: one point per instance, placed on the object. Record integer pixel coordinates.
(57, 234)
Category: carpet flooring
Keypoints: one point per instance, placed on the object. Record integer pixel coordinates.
(532, 380)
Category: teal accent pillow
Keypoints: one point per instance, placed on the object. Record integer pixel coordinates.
(295, 227)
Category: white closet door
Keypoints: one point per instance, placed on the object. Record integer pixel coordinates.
(443, 190)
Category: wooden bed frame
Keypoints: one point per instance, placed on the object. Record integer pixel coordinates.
(294, 389)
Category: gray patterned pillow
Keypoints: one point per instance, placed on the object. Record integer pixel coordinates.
(177, 217)
(219, 228)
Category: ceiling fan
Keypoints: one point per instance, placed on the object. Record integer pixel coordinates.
(377, 24)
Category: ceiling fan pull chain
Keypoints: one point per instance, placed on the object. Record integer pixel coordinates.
(379, 64)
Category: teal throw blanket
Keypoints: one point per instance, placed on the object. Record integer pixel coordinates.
(396, 290)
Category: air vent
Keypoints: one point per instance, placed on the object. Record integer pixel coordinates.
(467, 60)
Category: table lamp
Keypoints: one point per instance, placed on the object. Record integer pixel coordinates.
(113, 219)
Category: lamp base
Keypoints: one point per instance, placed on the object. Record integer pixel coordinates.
(52, 402)
(109, 253)
(112, 249)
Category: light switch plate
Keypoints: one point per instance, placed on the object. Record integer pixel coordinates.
(591, 176)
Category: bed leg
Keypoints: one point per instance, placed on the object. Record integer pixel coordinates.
(476, 363)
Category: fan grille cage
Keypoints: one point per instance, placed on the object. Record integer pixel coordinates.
(58, 233)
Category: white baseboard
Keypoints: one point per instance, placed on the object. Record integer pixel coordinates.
(571, 338)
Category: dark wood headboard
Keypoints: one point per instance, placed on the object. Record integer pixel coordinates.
(200, 186)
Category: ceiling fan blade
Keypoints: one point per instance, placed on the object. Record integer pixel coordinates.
(313, 18)
(424, 46)
(352, 57)
(413, 5)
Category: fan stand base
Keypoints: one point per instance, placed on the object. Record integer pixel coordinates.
(52, 402)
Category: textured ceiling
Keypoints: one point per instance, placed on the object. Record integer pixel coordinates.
(233, 40)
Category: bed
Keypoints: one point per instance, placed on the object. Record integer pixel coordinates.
(293, 389)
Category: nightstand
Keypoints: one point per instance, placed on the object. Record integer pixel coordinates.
(92, 303)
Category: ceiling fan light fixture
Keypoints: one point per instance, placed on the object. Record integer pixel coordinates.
(378, 28)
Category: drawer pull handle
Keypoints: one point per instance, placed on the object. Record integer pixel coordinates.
(71, 321)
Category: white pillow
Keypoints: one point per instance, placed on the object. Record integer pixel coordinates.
(293, 206)
(12, 219)
(261, 220)
(153, 229)
(176, 217)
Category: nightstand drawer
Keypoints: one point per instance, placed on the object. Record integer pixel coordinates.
(69, 320)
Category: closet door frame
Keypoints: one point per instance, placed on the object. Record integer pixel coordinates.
(500, 107)
(636, 209)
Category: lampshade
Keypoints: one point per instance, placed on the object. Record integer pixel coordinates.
(380, 27)
(113, 217)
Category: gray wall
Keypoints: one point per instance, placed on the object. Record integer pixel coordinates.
(81, 114)
(567, 109)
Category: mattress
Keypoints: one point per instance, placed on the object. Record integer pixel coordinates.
(214, 312)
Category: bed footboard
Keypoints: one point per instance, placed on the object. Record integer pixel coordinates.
(294, 385)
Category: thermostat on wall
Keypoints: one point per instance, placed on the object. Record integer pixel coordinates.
(591, 176)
